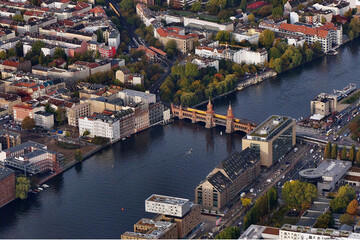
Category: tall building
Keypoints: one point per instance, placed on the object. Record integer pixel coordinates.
(7, 186)
(228, 178)
(273, 138)
(324, 104)
(127, 122)
(74, 113)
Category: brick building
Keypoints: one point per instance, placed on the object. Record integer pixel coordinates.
(7, 186)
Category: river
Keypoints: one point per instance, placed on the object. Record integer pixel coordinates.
(104, 196)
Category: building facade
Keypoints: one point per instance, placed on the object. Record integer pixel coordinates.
(44, 119)
(73, 114)
(7, 186)
(100, 125)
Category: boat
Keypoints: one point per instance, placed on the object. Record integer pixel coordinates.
(333, 52)
(123, 139)
(221, 133)
(40, 189)
(44, 186)
(189, 152)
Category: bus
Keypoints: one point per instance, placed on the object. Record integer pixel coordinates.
(328, 132)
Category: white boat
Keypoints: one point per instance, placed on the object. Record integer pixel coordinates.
(40, 189)
(45, 186)
(189, 152)
(123, 139)
(220, 133)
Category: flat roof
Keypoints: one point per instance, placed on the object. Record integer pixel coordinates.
(167, 200)
(5, 172)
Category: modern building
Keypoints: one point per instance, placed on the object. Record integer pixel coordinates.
(9, 138)
(7, 186)
(327, 175)
(352, 177)
(171, 206)
(156, 113)
(260, 232)
(273, 138)
(73, 114)
(324, 105)
(206, 62)
(132, 96)
(226, 181)
(150, 229)
(100, 125)
(44, 119)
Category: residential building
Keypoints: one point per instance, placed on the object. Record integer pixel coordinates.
(273, 138)
(294, 232)
(147, 2)
(100, 125)
(260, 232)
(180, 4)
(132, 96)
(114, 39)
(156, 113)
(7, 101)
(291, 5)
(206, 62)
(21, 111)
(327, 175)
(73, 114)
(44, 119)
(184, 42)
(337, 7)
(352, 177)
(215, 53)
(7, 186)
(125, 76)
(227, 180)
(247, 56)
(166, 205)
(142, 119)
(127, 122)
(150, 229)
(203, 24)
(9, 138)
(250, 35)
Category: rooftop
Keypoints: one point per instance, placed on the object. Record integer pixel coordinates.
(5, 172)
(167, 200)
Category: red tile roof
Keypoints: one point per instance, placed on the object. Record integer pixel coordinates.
(23, 106)
(305, 30)
(10, 63)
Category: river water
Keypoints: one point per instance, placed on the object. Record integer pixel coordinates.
(104, 196)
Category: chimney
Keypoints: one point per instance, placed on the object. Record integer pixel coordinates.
(8, 138)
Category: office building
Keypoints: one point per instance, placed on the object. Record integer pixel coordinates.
(226, 181)
(171, 206)
(7, 186)
(273, 138)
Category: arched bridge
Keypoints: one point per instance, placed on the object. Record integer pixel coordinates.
(211, 119)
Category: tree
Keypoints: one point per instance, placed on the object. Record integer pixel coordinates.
(67, 134)
(86, 132)
(309, 54)
(326, 220)
(267, 38)
(28, 123)
(126, 4)
(316, 47)
(352, 208)
(278, 65)
(298, 194)
(323, 20)
(245, 201)
(344, 154)
(229, 233)
(191, 70)
(170, 46)
(274, 53)
(36, 48)
(223, 36)
(22, 187)
(60, 115)
(358, 158)
(196, 7)
(18, 18)
(327, 151)
(100, 37)
(78, 155)
(355, 27)
(346, 219)
(339, 204)
(243, 6)
(277, 12)
(60, 53)
(352, 153)
(346, 191)
(272, 198)
(334, 151)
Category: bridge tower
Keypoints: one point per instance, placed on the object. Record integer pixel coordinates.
(209, 116)
(229, 120)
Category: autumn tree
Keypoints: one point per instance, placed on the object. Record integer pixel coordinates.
(334, 151)
(28, 123)
(326, 220)
(22, 187)
(352, 153)
(327, 151)
(298, 194)
(346, 219)
(358, 158)
(78, 155)
(352, 208)
(344, 154)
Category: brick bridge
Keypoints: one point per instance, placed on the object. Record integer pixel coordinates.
(211, 119)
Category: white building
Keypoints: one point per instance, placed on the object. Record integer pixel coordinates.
(172, 206)
(250, 57)
(114, 39)
(338, 8)
(194, 22)
(206, 62)
(250, 35)
(100, 126)
(44, 119)
(214, 53)
(131, 96)
(294, 232)
(294, 17)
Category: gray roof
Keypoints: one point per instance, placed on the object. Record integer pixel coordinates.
(5, 172)
(24, 145)
(46, 114)
(219, 181)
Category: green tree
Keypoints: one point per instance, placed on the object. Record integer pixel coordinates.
(86, 132)
(346, 191)
(327, 151)
(11, 53)
(100, 35)
(251, 17)
(334, 151)
(339, 204)
(344, 154)
(60, 115)
(28, 123)
(36, 48)
(60, 53)
(358, 158)
(171, 46)
(355, 26)
(67, 134)
(267, 38)
(272, 198)
(243, 6)
(223, 36)
(352, 153)
(352, 208)
(326, 220)
(18, 18)
(316, 47)
(323, 20)
(346, 219)
(126, 4)
(277, 12)
(309, 54)
(78, 155)
(229, 233)
(274, 53)
(196, 7)
(191, 70)
(298, 194)
(278, 65)
(22, 187)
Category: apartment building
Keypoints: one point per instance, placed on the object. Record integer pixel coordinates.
(150, 229)
(184, 42)
(9, 100)
(273, 138)
(9, 138)
(206, 62)
(125, 76)
(7, 186)
(324, 105)
(100, 125)
(142, 120)
(44, 119)
(73, 114)
(127, 122)
(20, 111)
(247, 56)
(228, 178)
